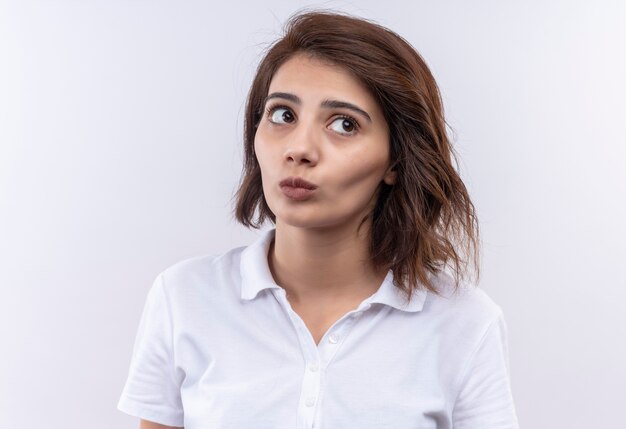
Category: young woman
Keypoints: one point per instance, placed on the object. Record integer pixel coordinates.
(342, 315)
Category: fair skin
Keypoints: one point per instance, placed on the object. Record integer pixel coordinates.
(318, 256)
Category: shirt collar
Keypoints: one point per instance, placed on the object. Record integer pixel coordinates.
(256, 276)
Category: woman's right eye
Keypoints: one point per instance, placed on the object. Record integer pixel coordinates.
(280, 115)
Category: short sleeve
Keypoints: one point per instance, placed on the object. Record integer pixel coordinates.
(152, 391)
(485, 400)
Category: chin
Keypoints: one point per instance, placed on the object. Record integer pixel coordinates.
(299, 221)
(297, 215)
(311, 220)
(308, 217)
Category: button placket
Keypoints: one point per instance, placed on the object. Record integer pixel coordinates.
(311, 383)
(317, 358)
(310, 393)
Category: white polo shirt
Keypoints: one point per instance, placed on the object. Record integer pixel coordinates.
(219, 347)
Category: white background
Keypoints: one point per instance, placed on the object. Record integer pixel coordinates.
(120, 151)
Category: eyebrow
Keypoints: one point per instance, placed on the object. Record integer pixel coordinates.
(326, 103)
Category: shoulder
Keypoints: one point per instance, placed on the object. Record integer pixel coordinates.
(201, 272)
(466, 308)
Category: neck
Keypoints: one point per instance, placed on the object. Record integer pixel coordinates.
(323, 264)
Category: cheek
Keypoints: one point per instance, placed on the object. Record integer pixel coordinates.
(264, 159)
(256, 147)
(363, 171)
(260, 151)
(266, 144)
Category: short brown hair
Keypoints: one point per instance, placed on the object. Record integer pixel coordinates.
(418, 222)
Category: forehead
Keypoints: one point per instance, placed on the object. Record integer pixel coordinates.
(314, 78)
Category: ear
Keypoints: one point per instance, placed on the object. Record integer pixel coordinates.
(390, 177)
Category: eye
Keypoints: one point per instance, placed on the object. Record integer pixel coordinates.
(345, 125)
(280, 115)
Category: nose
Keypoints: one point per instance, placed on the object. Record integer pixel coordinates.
(303, 144)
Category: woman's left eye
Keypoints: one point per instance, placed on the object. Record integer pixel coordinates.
(345, 125)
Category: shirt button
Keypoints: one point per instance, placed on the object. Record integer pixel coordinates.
(314, 367)
(333, 338)
(310, 402)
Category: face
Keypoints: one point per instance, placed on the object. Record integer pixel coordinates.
(321, 125)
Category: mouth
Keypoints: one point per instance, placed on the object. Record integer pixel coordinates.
(297, 188)
(297, 182)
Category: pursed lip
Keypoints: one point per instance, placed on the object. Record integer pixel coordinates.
(297, 182)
